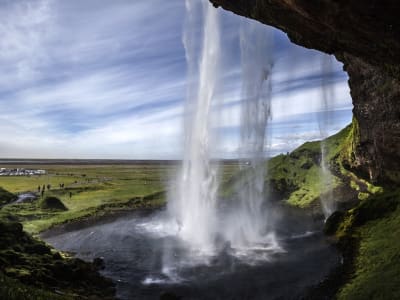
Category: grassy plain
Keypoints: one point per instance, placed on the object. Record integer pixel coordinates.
(88, 189)
(92, 190)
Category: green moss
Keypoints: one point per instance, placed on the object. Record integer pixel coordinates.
(347, 156)
(363, 196)
(376, 223)
(12, 289)
(345, 227)
(17, 272)
(33, 263)
(354, 185)
(6, 197)
(297, 176)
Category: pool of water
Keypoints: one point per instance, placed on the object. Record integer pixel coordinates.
(144, 255)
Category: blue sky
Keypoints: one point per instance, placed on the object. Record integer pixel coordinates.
(106, 79)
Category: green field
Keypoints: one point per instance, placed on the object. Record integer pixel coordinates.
(92, 190)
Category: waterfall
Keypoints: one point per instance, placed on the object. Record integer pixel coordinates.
(249, 221)
(324, 122)
(194, 204)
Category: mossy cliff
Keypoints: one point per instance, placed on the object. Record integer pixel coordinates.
(6, 197)
(30, 269)
(364, 35)
(365, 227)
(367, 236)
(296, 177)
(365, 163)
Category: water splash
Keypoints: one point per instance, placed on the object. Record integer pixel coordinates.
(194, 204)
(242, 229)
(249, 222)
(328, 203)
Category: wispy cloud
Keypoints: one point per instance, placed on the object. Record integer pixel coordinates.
(106, 79)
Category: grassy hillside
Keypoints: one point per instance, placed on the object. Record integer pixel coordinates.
(6, 197)
(28, 267)
(366, 232)
(296, 177)
(12, 289)
(368, 237)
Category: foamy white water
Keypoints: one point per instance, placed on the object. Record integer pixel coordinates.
(249, 226)
(194, 204)
(244, 228)
(327, 103)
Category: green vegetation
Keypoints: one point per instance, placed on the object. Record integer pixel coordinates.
(297, 176)
(91, 191)
(12, 289)
(36, 266)
(370, 231)
(366, 233)
(86, 190)
(6, 197)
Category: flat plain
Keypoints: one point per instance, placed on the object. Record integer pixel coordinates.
(92, 189)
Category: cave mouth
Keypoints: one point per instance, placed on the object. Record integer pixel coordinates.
(146, 254)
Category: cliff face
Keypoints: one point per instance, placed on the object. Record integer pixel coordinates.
(365, 36)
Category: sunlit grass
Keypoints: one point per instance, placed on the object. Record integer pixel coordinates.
(86, 188)
(377, 265)
(93, 190)
(12, 289)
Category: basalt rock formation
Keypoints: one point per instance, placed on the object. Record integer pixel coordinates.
(365, 36)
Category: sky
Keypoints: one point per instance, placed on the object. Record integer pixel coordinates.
(107, 79)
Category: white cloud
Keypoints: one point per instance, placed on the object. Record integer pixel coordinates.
(106, 79)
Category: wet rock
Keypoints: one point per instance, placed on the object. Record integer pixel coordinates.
(6, 197)
(37, 248)
(57, 256)
(99, 263)
(11, 227)
(169, 296)
(53, 203)
(307, 165)
(333, 222)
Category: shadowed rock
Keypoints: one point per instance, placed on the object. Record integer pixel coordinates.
(53, 203)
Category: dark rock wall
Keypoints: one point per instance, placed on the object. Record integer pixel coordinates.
(365, 36)
(376, 100)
